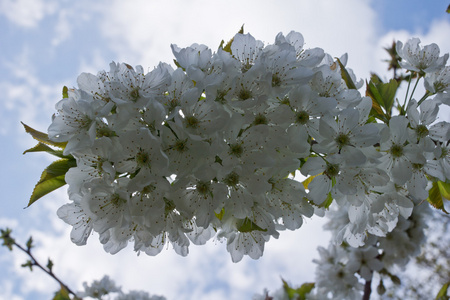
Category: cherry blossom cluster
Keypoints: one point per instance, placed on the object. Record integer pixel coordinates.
(209, 148)
(98, 289)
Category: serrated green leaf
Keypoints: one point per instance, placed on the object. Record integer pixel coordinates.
(57, 168)
(346, 76)
(42, 137)
(62, 294)
(42, 189)
(40, 147)
(52, 178)
(436, 195)
(65, 92)
(246, 225)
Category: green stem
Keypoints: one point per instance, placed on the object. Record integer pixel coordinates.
(427, 94)
(407, 91)
(412, 93)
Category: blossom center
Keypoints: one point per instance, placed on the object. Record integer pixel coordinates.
(143, 159)
(260, 119)
(332, 170)
(276, 80)
(244, 94)
(302, 117)
(236, 149)
(203, 187)
(396, 150)
(342, 140)
(422, 131)
(191, 122)
(232, 179)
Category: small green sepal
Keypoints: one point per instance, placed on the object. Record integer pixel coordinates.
(247, 225)
(227, 47)
(65, 92)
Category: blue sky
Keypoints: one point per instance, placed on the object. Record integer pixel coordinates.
(45, 45)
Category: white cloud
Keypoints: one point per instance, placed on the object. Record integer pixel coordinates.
(438, 34)
(141, 31)
(7, 291)
(63, 28)
(26, 97)
(26, 13)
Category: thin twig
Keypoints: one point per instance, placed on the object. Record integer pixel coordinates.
(49, 272)
(367, 290)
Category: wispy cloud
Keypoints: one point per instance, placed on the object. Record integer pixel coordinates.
(27, 13)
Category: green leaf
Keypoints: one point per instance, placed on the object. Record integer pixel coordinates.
(40, 147)
(388, 92)
(246, 225)
(62, 294)
(438, 192)
(52, 178)
(448, 9)
(373, 93)
(444, 188)
(65, 92)
(382, 95)
(8, 241)
(42, 137)
(28, 264)
(442, 295)
(50, 265)
(346, 76)
(299, 293)
(29, 243)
